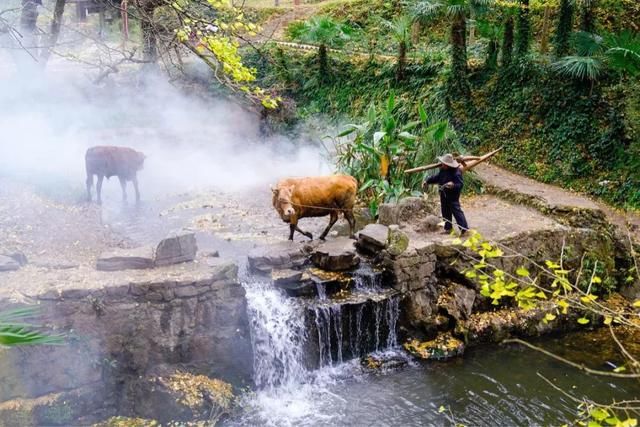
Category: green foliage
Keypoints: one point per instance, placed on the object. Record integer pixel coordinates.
(14, 332)
(523, 35)
(386, 145)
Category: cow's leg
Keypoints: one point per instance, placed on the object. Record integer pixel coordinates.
(123, 184)
(89, 185)
(293, 226)
(332, 220)
(352, 223)
(99, 189)
(135, 187)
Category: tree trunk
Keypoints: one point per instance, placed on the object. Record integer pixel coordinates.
(472, 27)
(58, 11)
(588, 16)
(459, 54)
(492, 55)
(523, 37)
(323, 61)
(565, 26)
(402, 61)
(149, 41)
(507, 42)
(544, 38)
(29, 17)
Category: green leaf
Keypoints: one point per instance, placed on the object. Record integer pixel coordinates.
(619, 369)
(549, 317)
(521, 271)
(423, 113)
(391, 102)
(599, 414)
(378, 136)
(441, 409)
(583, 320)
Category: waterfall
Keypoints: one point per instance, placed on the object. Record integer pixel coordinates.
(277, 333)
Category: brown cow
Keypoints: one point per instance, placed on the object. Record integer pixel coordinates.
(109, 161)
(296, 198)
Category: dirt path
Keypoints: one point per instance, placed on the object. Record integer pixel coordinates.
(552, 199)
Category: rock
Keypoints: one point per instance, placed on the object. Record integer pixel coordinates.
(373, 237)
(281, 255)
(335, 255)
(362, 216)
(8, 263)
(384, 362)
(458, 302)
(327, 282)
(445, 346)
(407, 209)
(285, 277)
(17, 256)
(176, 248)
(126, 259)
(302, 288)
(398, 241)
(210, 254)
(430, 224)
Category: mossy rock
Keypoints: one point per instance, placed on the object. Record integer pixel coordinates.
(398, 242)
(445, 346)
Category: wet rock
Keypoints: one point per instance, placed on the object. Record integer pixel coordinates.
(335, 255)
(362, 216)
(176, 248)
(383, 362)
(210, 254)
(281, 255)
(327, 282)
(398, 241)
(126, 259)
(458, 302)
(373, 238)
(444, 346)
(8, 263)
(285, 277)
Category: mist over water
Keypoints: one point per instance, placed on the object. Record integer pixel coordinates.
(49, 119)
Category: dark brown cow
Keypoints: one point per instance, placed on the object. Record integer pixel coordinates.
(109, 161)
(296, 198)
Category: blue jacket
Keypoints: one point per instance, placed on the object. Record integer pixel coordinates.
(448, 175)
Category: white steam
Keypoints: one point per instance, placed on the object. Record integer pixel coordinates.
(48, 120)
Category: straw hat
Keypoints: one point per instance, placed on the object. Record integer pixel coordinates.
(448, 160)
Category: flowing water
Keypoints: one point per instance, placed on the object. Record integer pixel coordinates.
(328, 385)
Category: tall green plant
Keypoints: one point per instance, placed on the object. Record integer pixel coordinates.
(507, 42)
(492, 32)
(457, 11)
(523, 35)
(324, 32)
(401, 32)
(385, 146)
(563, 30)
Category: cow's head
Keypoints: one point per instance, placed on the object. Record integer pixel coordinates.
(282, 202)
(140, 160)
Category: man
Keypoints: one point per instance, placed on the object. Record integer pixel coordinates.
(449, 178)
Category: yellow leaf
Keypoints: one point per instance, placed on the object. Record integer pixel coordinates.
(384, 166)
(441, 409)
(596, 279)
(521, 271)
(549, 317)
(636, 304)
(583, 320)
(608, 320)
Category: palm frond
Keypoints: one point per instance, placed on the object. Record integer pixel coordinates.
(579, 67)
(587, 44)
(623, 52)
(422, 10)
(13, 332)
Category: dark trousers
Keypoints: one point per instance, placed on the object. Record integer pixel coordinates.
(451, 208)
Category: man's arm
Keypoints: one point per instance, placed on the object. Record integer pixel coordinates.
(433, 179)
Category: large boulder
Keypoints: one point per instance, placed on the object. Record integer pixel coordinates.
(126, 259)
(458, 302)
(373, 238)
(407, 209)
(177, 247)
(335, 255)
(17, 256)
(8, 263)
